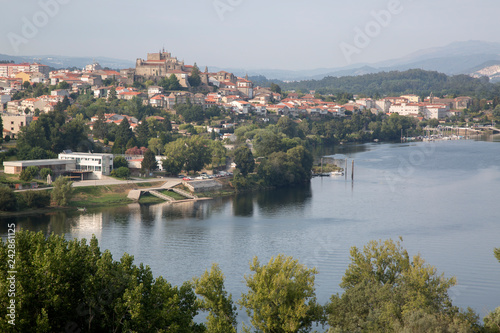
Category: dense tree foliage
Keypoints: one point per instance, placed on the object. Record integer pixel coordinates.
(119, 161)
(62, 285)
(194, 78)
(7, 199)
(414, 81)
(29, 173)
(44, 172)
(124, 138)
(189, 154)
(50, 135)
(244, 160)
(190, 112)
(121, 172)
(62, 192)
(170, 83)
(281, 296)
(149, 162)
(215, 299)
(387, 291)
(283, 169)
(71, 285)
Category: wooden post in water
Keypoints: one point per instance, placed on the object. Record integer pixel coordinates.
(352, 171)
(345, 169)
(322, 166)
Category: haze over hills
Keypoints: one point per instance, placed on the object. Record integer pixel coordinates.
(476, 58)
(456, 58)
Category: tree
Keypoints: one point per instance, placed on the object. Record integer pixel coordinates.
(275, 88)
(286, 126)
(387, 291)
(73, 286)
(29, 173)
(190, 154)
(213, 111)
(281, 296)
(266, 142)
(195, 79)
(492, 321)
(1, 126)
(121, 172)
(33, 199)
(172, 165)
(62, 85)
(44, 172)
(119, 161)
(123, 136)
(170, 83)
(7, 199)
(156, 145)
(149, 162)
(142, 133)
(244, 160)
(100, 127)
(215, 300)
(62, 192)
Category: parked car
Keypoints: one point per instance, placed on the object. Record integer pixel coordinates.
(187, 178)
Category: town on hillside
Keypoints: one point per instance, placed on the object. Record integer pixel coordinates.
(172, 96)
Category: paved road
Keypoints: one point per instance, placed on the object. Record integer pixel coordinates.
(169, 182)
(112, 181)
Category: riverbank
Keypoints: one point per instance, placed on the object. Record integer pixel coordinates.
(106, 195)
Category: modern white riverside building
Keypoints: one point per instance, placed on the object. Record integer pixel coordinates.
(97, 165)
(77, 166)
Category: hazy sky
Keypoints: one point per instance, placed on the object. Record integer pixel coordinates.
(245, 33)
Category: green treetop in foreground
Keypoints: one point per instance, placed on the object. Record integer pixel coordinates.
(281, 296)
(71, 286)
(387, 291)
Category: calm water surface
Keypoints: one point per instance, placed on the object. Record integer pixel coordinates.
(441, 197)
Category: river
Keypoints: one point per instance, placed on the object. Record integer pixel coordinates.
(442, 198)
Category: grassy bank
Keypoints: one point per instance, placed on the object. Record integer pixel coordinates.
(110, 195)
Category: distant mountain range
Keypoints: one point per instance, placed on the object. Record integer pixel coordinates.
(475, 58)
(57, 61)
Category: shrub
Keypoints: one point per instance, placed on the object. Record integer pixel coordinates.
(8, 200)
(45, 172)
(62, 191)
(29, 173)
(121, 172)
(33, 199)
(119, 161)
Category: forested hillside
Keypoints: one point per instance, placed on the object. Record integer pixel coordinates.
(414, 81)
